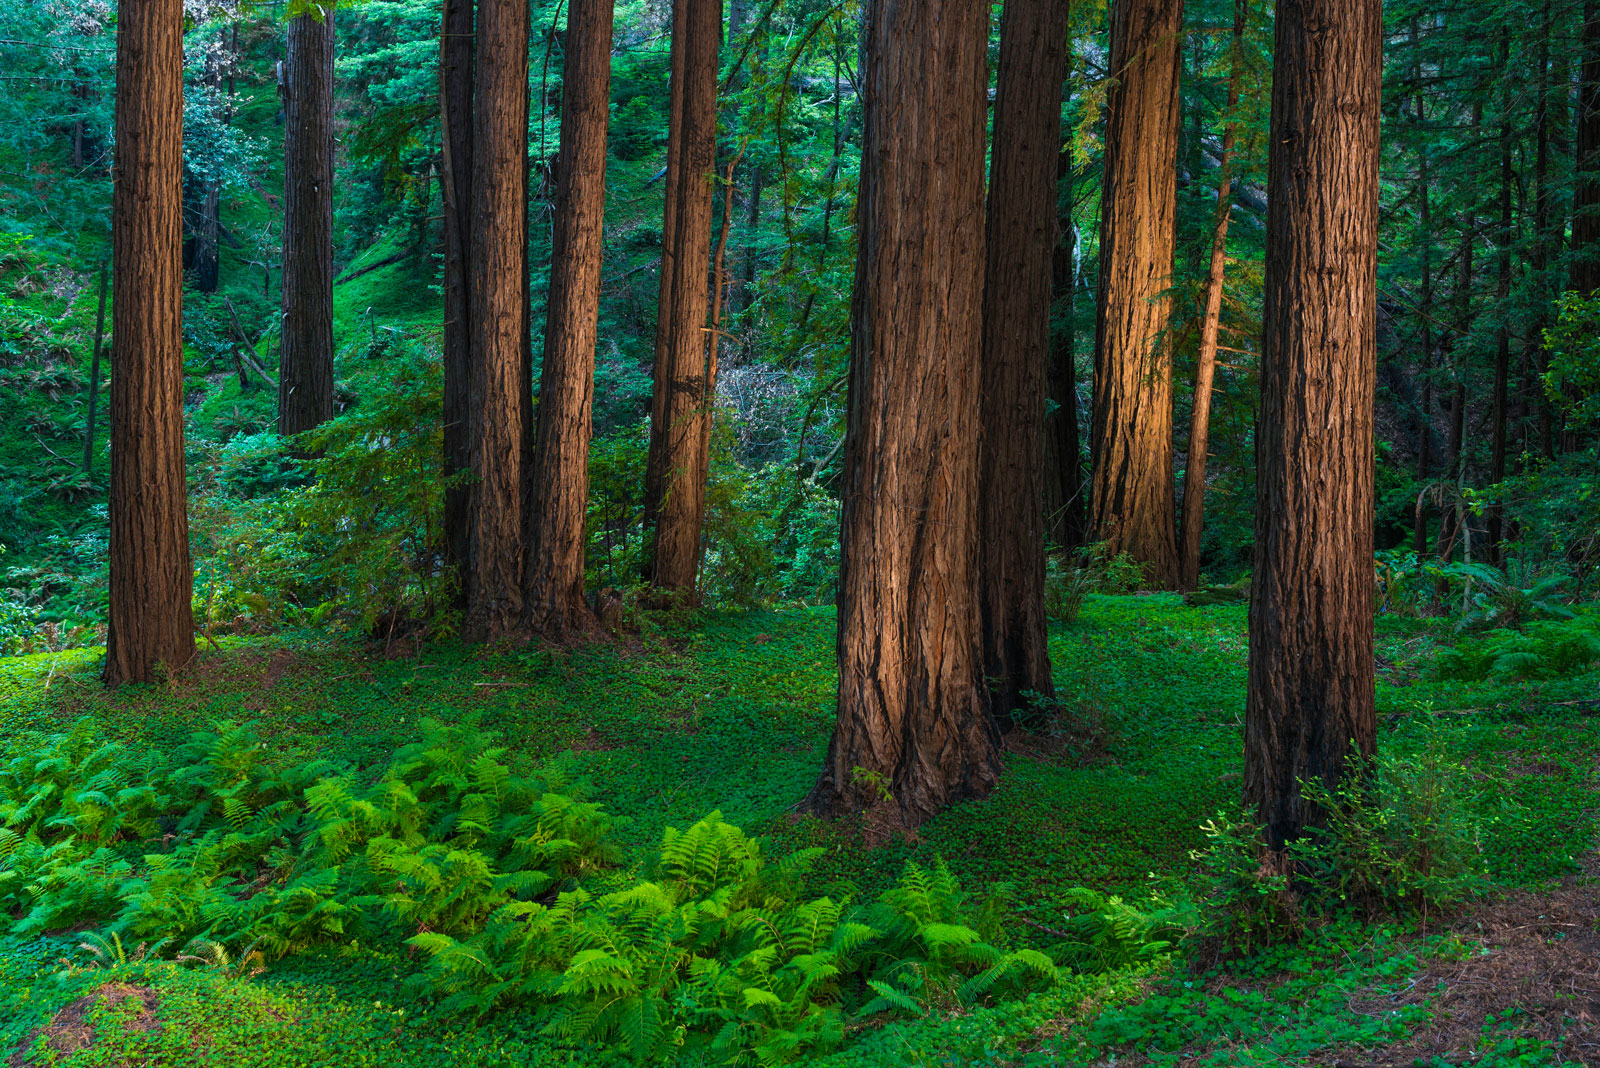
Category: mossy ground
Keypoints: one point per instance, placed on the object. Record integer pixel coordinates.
(732, 711)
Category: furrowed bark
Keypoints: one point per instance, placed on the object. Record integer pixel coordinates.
(1310, 691)
(150, 624)
(912, 720)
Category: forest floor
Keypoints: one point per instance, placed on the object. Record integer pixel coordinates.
(732, 712)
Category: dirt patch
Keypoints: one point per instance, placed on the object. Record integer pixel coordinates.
(1541, 956)
(591, 741)
(69, 1030)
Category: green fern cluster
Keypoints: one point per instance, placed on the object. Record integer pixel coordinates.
(226, 844)
(719, 958)
(1543, 651)
(1105, 933)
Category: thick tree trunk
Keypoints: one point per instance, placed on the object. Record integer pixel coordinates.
(912, 716)
(1205, 370)
(151, 626)
(305, 361)
(555, 601)
(1016, 350)
(1585, 277)
(455, 123)
(1133, 500)
(1065, 510)
(498, 284)
(681, 401)
(1310, 696)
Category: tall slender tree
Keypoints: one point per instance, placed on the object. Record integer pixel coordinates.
(305, 361)
(912, 708)
(498, 285)
(1133, 500)
(455, 170)
(675, 471)
(1585, 275)
(1309, 704)
(1016, 350)
(566, 385)
(1066, 512)
(150, 623)
(1194, 474)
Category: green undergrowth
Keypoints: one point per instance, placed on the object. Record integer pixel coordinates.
(729, 714)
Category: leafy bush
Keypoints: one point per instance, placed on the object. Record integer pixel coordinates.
(1248, 898)
(1107, 933)
(1069, 578)
(1401, 833)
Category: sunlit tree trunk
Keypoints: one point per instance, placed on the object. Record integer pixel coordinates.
(455, 115)
(1205, 372)
(1310, 693)
(498, 284)
(1134, 506)
(555, 601)
(1016, 352)
(305, 361)
(912, 719)
(151, 625)
(681, 400)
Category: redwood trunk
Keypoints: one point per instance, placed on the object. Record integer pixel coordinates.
(1065, 511)
(566, 384)
(1205, 371)
(680, 403)
(305, 361)
(455, 119)
(912, 718)
(1586, 198)
(498, 283)
(1310, 696)
(1133, 500)
(151, 626)
(1016, 352)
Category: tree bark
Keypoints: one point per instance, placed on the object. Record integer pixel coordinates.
(566, 386)
(455, 125)
(498, 284)
(1310, 690)
(1500, 415)
(1585, 277)
(305, 361)
(1205, 371)
(1016, 349)
(92, 395)
(1133, 503)
(681, 400)
(151, 625)
(912, 718)
(1065, 511)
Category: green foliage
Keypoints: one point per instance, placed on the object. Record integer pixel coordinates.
(1105, 932)
(1248, 899)
(1069, 578)
(718, 957)
(1542, 651)
(1402, 832)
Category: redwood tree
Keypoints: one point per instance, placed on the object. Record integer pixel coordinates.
(560, 483)
(912, 716)
(680, 402)
(498, 284)
(1586, 199)
(305, 361)
(1310, 691)
(152, 579)
(1194, 474)
(1133, 502)
(455, 170)
(1016, 351)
